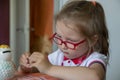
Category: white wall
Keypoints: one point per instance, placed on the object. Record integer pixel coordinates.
(112, 12)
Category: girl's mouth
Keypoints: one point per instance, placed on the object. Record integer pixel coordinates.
(66, 53)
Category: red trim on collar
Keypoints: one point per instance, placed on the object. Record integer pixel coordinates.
(76, 60)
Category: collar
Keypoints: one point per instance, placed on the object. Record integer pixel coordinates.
(76, 60)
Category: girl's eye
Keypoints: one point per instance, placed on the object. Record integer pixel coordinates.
(72, 41)
(58, 36)
(68, 39)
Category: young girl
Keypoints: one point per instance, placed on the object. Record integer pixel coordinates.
(82, 39)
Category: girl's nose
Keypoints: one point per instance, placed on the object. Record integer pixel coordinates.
(63, 46)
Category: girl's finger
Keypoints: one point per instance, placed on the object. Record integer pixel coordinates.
(24, 58)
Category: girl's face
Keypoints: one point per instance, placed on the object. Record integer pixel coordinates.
(69, 33)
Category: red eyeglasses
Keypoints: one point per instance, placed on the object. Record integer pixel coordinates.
(68, 44)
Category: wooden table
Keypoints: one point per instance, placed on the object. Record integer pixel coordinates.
(34, 76)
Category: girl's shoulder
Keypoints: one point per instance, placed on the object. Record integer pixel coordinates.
(95, 57)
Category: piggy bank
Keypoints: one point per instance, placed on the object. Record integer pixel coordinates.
(7, 67)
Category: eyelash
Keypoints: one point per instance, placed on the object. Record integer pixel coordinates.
(58, 36)
(69, 40)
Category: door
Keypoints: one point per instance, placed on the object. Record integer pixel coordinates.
(41, 25)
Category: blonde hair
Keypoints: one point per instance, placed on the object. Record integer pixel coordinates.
(90, 19)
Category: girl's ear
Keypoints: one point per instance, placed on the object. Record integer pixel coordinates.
(93, 40)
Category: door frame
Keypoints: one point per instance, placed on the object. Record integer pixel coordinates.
(13, 26)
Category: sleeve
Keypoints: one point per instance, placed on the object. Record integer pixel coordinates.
(98, 58)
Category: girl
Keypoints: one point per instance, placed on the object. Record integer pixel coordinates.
(82, 39)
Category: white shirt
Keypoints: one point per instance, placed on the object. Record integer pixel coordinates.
(56, 58)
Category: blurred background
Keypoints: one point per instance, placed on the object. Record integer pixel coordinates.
(27, 25)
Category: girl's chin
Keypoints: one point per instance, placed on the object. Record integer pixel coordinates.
(67, 55)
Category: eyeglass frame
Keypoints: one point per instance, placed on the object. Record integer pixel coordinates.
(65, 42)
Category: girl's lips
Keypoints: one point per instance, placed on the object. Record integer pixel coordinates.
(66, 53)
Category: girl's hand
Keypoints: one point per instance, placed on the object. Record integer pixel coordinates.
(40, 61)
(24, 59)
(24, 63)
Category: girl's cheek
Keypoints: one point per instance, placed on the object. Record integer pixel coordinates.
(82, 48)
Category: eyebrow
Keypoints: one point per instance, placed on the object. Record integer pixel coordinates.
(67, 39)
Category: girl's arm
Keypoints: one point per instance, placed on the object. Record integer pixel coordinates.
(94, 72)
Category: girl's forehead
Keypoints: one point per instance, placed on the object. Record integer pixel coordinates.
(70, 29)
(67, 26)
